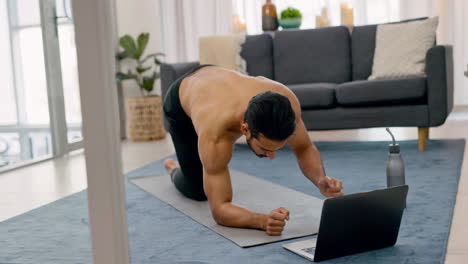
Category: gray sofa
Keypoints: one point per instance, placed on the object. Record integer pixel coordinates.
(327, 68)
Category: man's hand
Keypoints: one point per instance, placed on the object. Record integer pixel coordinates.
(275, 221)
(330, 187)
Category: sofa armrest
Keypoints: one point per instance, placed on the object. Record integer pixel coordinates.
(439, 71)
(170, 73)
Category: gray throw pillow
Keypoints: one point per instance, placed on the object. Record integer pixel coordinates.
(400, 49)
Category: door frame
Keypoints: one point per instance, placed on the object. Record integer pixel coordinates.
(96, 41)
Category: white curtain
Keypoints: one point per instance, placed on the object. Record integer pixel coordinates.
(452, 30)
(184, 21)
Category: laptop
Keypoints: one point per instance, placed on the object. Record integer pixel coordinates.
(355, 223)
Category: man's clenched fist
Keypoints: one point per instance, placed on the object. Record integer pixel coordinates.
(330, 187)
(276, 221)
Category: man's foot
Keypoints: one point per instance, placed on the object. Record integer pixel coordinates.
(170, 165)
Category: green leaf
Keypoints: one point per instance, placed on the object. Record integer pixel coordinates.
(142, 69)
(158, 62)
(122, 55)
(149, 56)
(120, 76)
(290, 12)
(143, 39)
(148, 83)
(128, 44)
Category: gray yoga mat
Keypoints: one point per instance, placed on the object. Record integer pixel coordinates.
(253, 193)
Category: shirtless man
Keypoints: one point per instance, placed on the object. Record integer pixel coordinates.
(208, 109)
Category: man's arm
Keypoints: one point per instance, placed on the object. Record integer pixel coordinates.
(308, 156)
(311, 163)
(215, 157)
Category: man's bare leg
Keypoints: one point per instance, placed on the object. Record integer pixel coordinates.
(170, 165)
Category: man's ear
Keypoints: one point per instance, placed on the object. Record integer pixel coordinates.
(245, 128)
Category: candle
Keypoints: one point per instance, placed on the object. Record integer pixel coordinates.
(322, 20)
(243, 26)
(347, 14)
(325, 20)
(324, 12)
(318, 21)
(238, 25)
(343, 8)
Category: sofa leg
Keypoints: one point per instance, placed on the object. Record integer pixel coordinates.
(423, 134)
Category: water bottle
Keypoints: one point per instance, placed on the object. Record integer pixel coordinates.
(395, 165)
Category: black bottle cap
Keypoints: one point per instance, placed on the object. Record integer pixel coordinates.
(394, 148)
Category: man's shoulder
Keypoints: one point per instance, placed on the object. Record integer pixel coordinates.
(215, 152)
(211, 139)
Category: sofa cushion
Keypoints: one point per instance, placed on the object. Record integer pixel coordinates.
(381, 91)
(363, 47)
(257, 51)
(315, 95)
(312, 56)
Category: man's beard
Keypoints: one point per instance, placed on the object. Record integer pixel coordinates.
(258, 155)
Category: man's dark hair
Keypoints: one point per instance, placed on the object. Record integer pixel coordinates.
(271, 114)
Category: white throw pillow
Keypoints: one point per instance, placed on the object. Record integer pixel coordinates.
(400, 49)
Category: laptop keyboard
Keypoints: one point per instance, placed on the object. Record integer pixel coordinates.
(310, 250)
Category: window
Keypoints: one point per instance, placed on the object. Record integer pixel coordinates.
(69, 70)
(40, 117)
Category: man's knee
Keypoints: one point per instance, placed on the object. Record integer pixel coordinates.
(187, 186)
(200, 196)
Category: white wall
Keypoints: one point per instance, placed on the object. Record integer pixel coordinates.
(133, 18)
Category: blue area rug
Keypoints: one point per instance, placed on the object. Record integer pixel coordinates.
(58, 232)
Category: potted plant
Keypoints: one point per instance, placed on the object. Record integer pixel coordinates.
(290, 18)
(144, 113)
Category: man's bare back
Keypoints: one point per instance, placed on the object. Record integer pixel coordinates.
(221, 105)
(215, 99)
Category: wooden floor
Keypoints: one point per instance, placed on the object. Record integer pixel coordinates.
(33, 186)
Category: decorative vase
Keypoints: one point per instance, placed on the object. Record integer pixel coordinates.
(269, 17)
(144, 118)
(290, 23)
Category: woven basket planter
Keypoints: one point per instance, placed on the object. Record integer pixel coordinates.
(144, 118)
